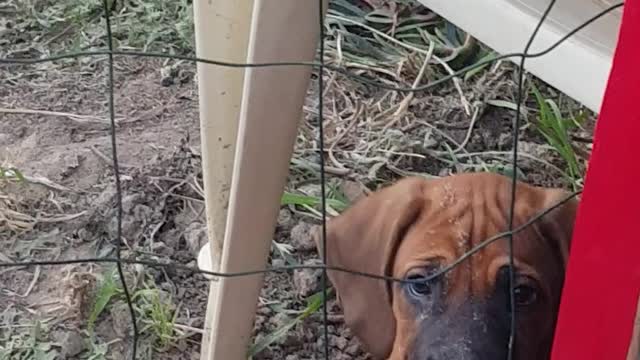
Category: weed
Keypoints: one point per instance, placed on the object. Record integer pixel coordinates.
(311, 204)
(314, 303)
(555, 129)
(28, 346)
(76, 25)
(11, 173)
(107, 289)
(97, 351)
(155, 311)
(157, 315)
(156, 25)
(285, 251)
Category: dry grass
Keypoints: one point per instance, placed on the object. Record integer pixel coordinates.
(377, 135)
(11, 219)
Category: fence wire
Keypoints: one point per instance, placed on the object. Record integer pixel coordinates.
(119, 261)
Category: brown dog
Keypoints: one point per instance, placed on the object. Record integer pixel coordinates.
(416, 227)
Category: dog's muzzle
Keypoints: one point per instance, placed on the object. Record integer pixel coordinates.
(473, 331)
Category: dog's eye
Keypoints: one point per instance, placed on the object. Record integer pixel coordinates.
(419, 285)
(525, 295)
(525, 291)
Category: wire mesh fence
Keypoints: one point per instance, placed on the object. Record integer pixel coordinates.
(320, 66)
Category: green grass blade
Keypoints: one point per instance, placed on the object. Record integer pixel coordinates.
(301, 200)
(478, 69)
(555, 129)
(314, 303)
(106, 291)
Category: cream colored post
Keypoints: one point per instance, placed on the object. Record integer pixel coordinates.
(222, 33)
(282, 31)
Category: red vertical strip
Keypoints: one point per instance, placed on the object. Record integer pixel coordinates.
(603, 275)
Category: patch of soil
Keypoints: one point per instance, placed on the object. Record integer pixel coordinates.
(158, 146)
(157, 138)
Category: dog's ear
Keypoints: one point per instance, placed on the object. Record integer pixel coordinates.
(557, 225)
(365, 238)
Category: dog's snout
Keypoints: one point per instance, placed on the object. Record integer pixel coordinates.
(443, 357)
(450, 353)
(451, 349)
(472, 331)
(432, 357)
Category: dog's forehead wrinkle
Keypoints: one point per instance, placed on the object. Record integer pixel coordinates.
(447, 195)
(465, 213)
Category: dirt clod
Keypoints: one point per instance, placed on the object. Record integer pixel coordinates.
(340, 342)
(301, 238)
(121, 320)
(352, 190)
(276, 263)
(72, 344)
(285, 219)
(307, 281)
(196, 237)
(160, 248)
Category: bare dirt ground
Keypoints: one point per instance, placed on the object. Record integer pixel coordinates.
(54, 129)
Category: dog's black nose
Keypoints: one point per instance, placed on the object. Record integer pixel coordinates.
(445, 356)
(450, 352)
